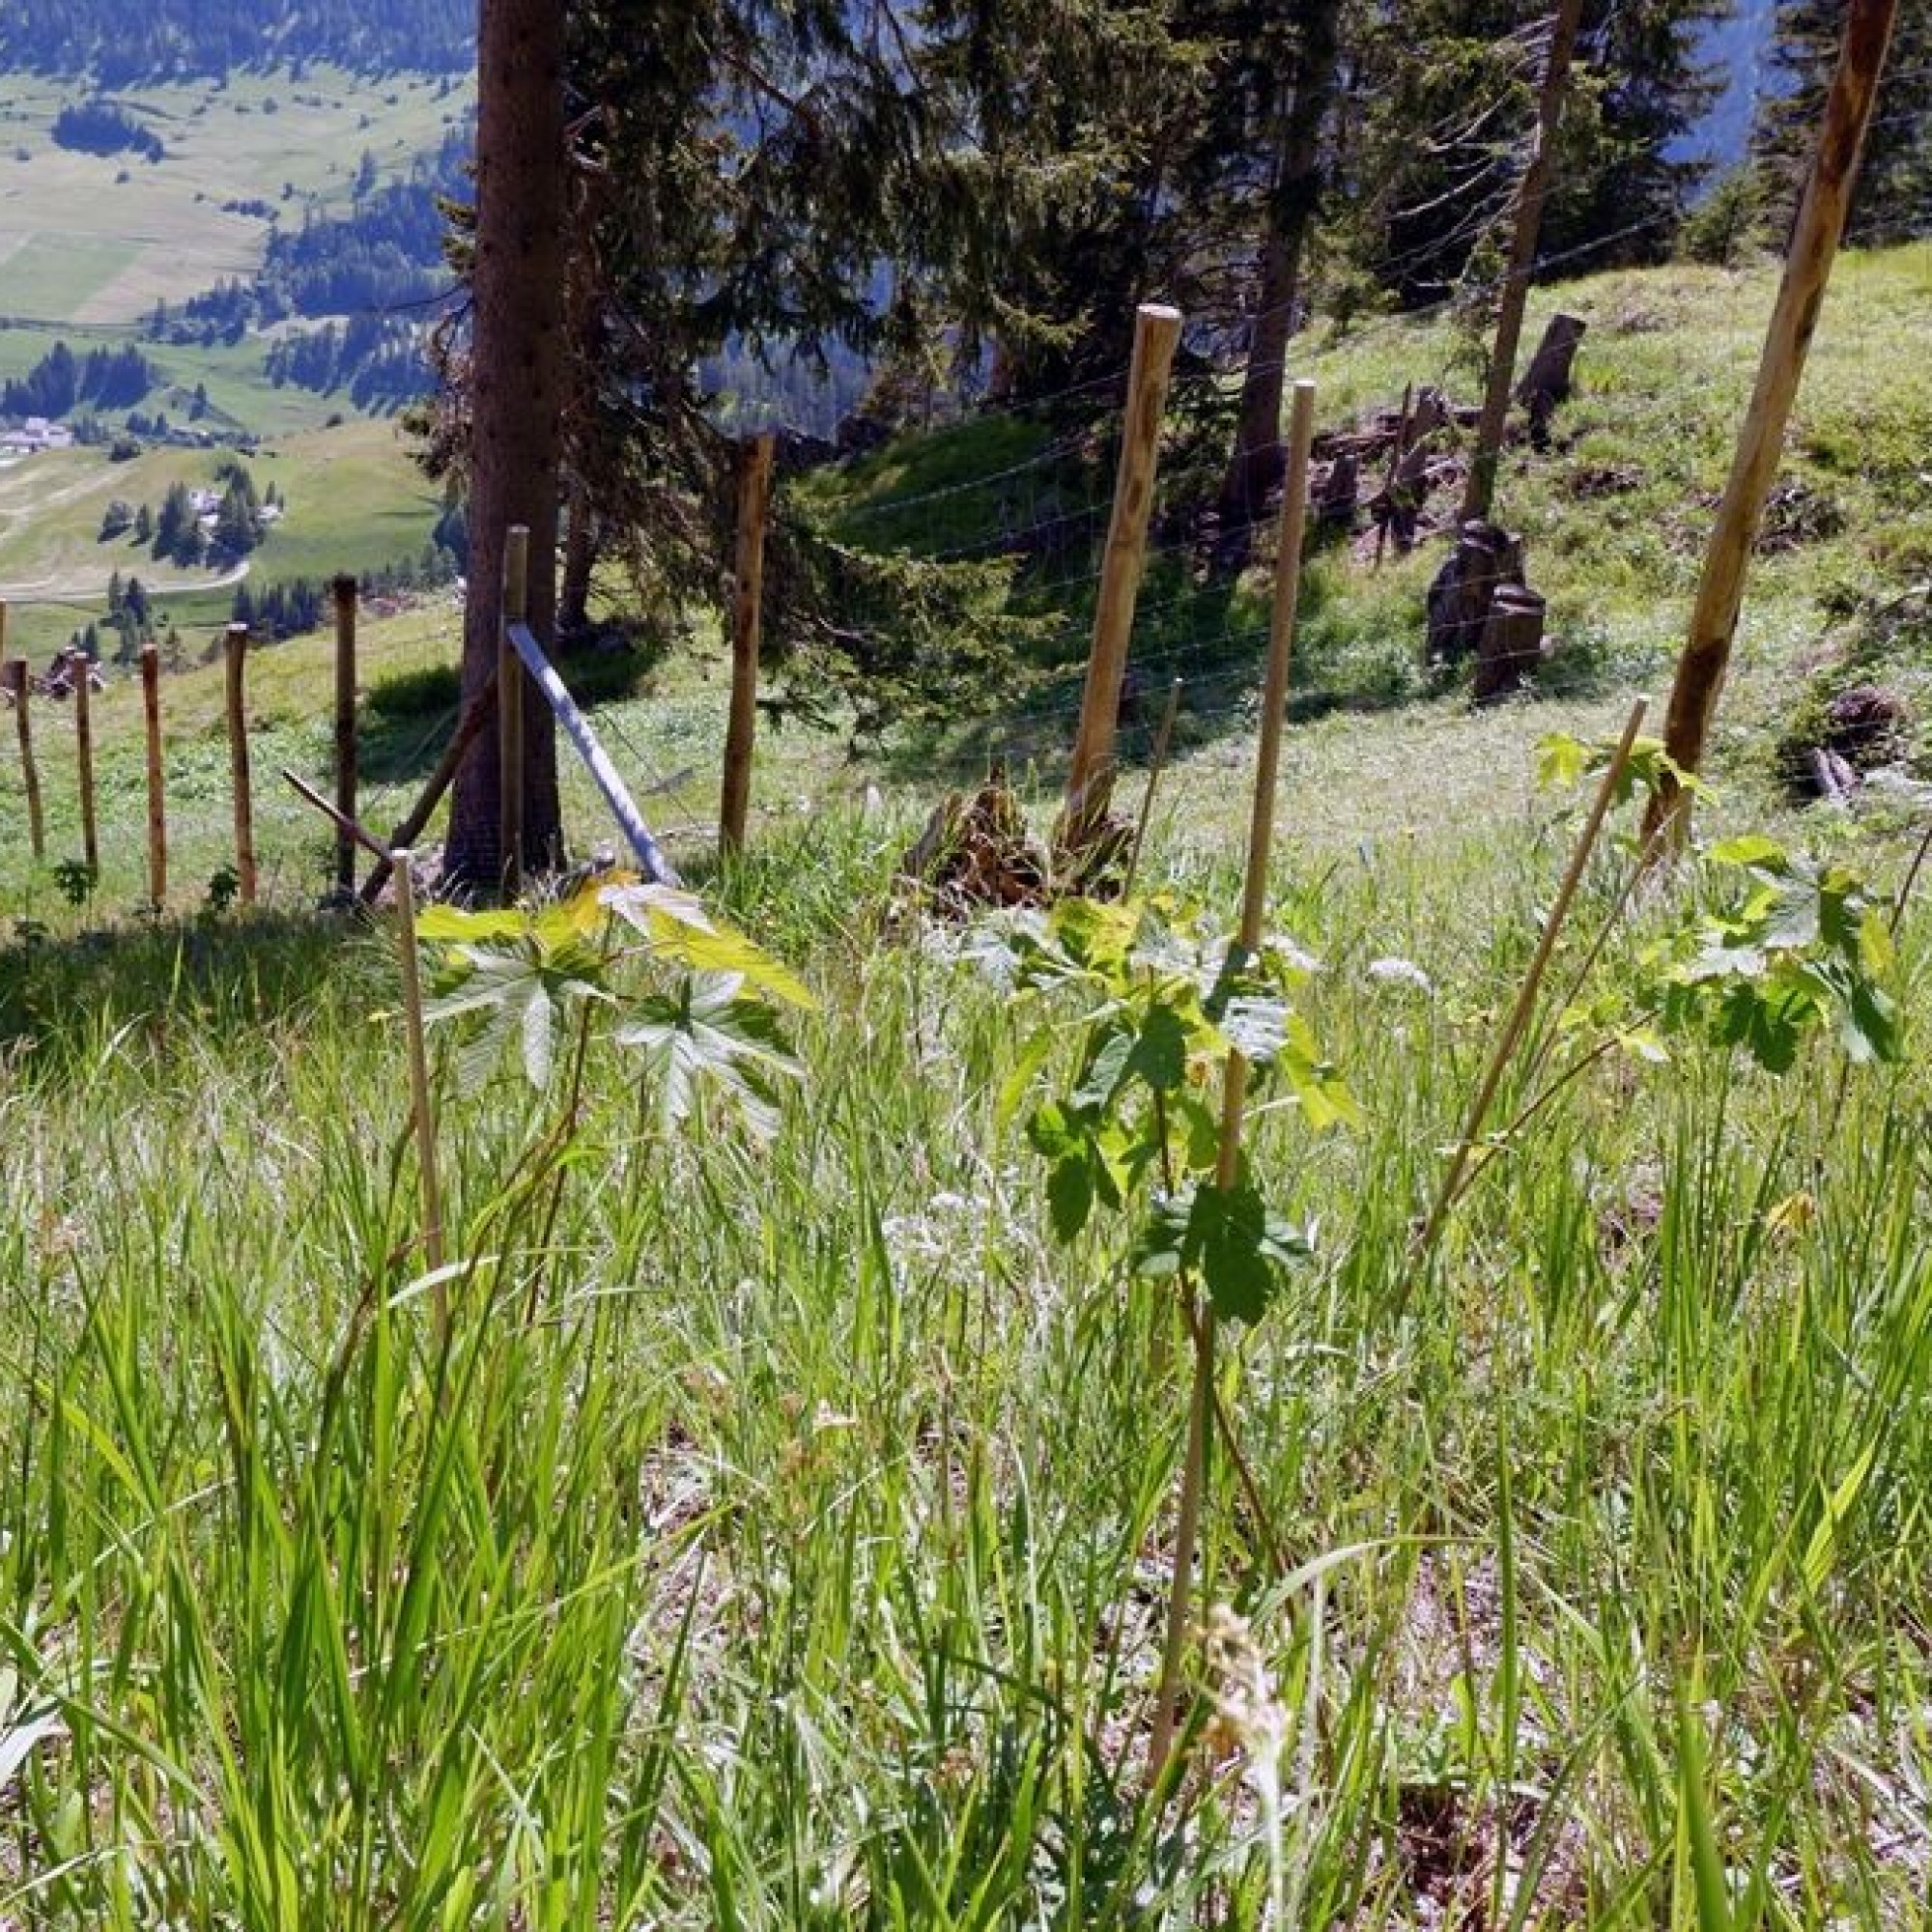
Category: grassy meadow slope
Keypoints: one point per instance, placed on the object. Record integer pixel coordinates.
(782, 1537)
(97, 239)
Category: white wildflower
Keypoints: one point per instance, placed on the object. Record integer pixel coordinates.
(1405, 974)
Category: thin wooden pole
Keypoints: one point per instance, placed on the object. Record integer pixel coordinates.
(1396, 454)
(157, 809)
(1531, 195)
(346, 773)
(80, 668)
(421, 1110)
(1234, 1097)
(470, 727)
(1808, 273)
(1525, 999)
(1156, 764)
(748, 598)
(510, 706)
(20, 680)
(1090, 775)
(236, 647)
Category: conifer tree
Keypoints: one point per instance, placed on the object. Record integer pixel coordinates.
(1893, 201)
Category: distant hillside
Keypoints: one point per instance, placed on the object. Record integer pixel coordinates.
(118, 45)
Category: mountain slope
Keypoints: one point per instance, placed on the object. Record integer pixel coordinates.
(118, 45)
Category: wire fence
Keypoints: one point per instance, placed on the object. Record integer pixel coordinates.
(1046, 514)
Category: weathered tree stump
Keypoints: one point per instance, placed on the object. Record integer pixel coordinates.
(1335, 500)
(1486, 557)
(1547, 381)
(1512, 645)
(1429, 414)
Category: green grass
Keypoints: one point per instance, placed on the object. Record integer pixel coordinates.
(355, 503)
(779, 1541)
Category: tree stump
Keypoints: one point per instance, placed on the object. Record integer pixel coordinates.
(1512, 645)
(1546, 381)
(1335, 502)
(1486, 557)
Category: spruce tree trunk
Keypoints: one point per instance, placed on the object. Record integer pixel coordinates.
(579, 560)
(516, 382)
(1255, 465)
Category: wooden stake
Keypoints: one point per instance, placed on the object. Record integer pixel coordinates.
(80, 668)
(236, 647)
(157, 810)
(421, 1112)
(1530, 197)
(344, 728)
(19, 677)
(1807, 272)
(1155, 766)
(470, 727)
(510, 707)
(1396, 454)
(1090, 777)
(747, 597)
(1234, 1097)
(1525, 999)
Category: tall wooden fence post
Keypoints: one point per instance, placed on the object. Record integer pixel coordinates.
(345, 729)
(747, 597)
(1090, 777)
(1529, 200)
(510, 706)
(81, 668)
(1807, 270)
(20, 682)
(236, 648)
(158, 812)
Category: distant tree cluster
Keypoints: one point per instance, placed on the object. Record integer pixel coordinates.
(378, 363)
(382, 260)
(104, 128)
(108, 378)
(293, 607)
(1895, 193)
(194, 527)
(163, 39)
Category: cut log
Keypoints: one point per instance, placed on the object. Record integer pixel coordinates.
(1512, 644)
(1335, 502)
(1486, 556)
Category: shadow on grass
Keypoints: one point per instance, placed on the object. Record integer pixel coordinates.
(407, 718)
(66, 1002)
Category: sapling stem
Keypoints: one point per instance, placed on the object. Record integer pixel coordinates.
(1155, 766)
(419, 1095)
(1234, 1097)
(1532, 981)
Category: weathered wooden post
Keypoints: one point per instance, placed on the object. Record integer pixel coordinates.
(234, 646)
(1090, 777)
(510, 706)
(1545, 382)
(81, 668)
(1807, 272)
(20, 682)
(1481, 492)
(747, 596)
(158, 818)
(344, 589)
